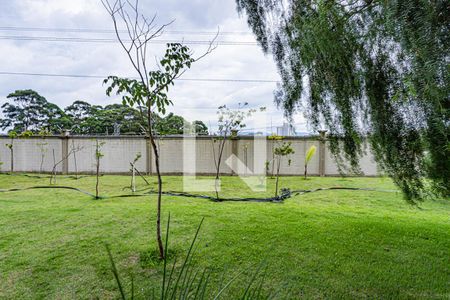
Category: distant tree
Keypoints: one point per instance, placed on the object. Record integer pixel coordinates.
(170, 124)
(54, 118)
(86, 118)
(200, 127)
(30, 111)
(25, 111)
(79, 112)
(174, 124)
(129, 119)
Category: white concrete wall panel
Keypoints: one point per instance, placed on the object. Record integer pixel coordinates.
(30, 153)
(120, 151)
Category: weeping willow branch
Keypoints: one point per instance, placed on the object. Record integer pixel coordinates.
(367, 71)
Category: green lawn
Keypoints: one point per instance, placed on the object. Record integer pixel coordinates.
(329, 244)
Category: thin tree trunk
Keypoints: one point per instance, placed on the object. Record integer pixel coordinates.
(273, 162)
(158, 174)
(306, 169)
(75, 160)
(219, 160)
(42, 164)
(97, 176)
(278, 175)
(158, 211)
(12, 160)
(133, 179)
(54, 168)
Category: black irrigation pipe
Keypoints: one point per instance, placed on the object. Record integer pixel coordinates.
(301, 192)
(47, 187)
(277, 199)
(48, 176)
(285, 193)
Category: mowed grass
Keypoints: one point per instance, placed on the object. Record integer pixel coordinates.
(329, 244)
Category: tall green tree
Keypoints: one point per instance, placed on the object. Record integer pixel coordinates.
(29, 111)
(80, 112)
(151, 88)
(170, 124)
(200, 127)
(367, 68)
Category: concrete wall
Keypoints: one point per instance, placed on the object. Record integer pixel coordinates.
(120, 151)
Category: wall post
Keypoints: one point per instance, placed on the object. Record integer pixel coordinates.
(234, 151)
(322, 145)
(65, 152)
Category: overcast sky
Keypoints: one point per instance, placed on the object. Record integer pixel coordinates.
(194, 20)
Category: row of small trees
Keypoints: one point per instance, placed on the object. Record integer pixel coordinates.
(229, 122)
(149, 93)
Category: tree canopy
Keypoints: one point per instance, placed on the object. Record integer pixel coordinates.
(29, 111)
(367, 69)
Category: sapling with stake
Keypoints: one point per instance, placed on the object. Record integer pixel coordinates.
(73, 150)
(98, 157)
(13, 135)
(275, 141)
(281, 151)
(74, 159)
(308, 156)
(133, 171)
(245, 150)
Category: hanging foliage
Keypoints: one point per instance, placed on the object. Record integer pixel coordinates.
(367, 69)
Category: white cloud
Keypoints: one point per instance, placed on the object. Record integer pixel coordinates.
(228, 62)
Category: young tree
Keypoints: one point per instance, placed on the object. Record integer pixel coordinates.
(367, 68)
(308, 156)
(73, 151)
(150, 90)
(229, 122)
(13, 135)
(275, 142)
(98, 157)
(75, 164)
(281, 151)
(133, 171)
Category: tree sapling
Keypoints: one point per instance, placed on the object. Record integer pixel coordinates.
(308, 156)
(281, 151)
